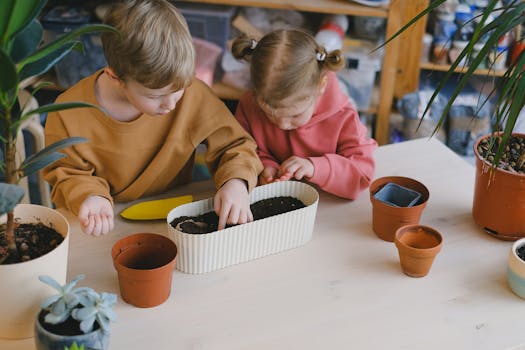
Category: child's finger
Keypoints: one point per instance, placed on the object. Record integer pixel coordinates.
(90, 225)
(98, 225)
(223, 216)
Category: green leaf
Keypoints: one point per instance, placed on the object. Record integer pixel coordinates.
(10, 196)
(9, 79)
(65, 39)
(27, 41)
(58, 107)
(48, 155)
(47, 62)
(15, 15)
(41, 163)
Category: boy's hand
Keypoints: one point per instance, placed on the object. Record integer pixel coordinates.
(267, 176)
(96, 216)
(232, 203)
(297, 168)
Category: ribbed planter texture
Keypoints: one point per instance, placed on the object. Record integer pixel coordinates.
(516, 269)
(386, 219)
(20, 290)
(45, 340)
(144, 263)
(499, 199)
(417, 246)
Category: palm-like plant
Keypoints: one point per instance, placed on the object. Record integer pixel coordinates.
(509, 89)
(22, 57)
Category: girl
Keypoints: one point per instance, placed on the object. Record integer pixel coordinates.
(304, 126)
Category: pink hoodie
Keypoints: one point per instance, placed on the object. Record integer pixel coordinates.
(334, 140)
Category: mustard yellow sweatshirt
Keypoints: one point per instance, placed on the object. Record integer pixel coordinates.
(123, 161)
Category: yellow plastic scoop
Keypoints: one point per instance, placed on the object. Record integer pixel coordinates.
(152, 210)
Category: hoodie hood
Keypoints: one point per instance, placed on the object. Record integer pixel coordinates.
(330, 103)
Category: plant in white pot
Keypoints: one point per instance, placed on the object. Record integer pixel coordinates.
(78, 316)
(499, 195)
(22, 57)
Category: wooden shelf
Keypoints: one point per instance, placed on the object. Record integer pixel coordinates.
(446, 67)
(346, 7)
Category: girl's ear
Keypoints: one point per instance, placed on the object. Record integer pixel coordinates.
(110, 73)
(323, 84)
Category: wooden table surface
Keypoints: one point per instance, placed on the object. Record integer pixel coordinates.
(342, 290)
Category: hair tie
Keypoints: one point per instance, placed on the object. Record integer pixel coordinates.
(320, 56)
(253, 44)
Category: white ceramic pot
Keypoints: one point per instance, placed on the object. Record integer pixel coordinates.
(21, 291)
(516, 270)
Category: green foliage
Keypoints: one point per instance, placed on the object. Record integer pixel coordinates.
(511, 87)
(83, 304)
(21, 58)
(74, 346)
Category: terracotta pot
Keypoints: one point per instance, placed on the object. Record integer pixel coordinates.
(417, 246)
(386, 219)
(20, 291)
(516, 270)
(145, 263)
(499, 199)
(45, 340)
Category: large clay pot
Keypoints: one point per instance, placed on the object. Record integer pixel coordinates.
(386, 219)
(20, 290)
(144, 263)
(499, 199)
(417, 246)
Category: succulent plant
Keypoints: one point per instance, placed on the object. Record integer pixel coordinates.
(82, 304)
(74, 346)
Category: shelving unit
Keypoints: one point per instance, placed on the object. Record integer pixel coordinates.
(446, 67)
(396, 13)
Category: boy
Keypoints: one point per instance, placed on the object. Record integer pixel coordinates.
(153, 114)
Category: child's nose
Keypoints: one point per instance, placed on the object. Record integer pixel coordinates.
(169, 103)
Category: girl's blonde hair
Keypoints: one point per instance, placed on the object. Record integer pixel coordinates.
(154, 46)
(285, 62)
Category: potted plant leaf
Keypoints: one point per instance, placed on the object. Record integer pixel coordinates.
(499, 183)
(77, 316)
(22, 57)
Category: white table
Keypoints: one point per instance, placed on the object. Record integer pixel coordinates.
(343, 290)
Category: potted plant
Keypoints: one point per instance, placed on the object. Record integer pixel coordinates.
(21, 58)
(492, 172)
(77, 316)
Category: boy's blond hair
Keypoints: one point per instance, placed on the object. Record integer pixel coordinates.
(286, 62)
(154, 47)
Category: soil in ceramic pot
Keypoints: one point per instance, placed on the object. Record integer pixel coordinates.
(208, 222)
(32, 240)
(512, 159)
(67, 328)
(521, 252)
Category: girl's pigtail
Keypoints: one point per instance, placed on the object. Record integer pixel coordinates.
(243, 47)
(334, 60)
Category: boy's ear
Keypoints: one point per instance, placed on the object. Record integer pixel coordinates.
(112, 76)
(323, 84)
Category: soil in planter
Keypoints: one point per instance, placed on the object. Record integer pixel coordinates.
(32, 240)
(512, 159)
(68, 327)
(208, 222)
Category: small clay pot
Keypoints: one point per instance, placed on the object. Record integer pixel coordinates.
(386, 219)
(516, 270)
(144, 263)
(417, 246)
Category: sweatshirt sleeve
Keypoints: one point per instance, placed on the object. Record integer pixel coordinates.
(349, 171)
(231, 151)
(71, 177)
(242, 114)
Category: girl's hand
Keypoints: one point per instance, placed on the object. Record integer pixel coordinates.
(297, 168)
(267, 176)
(96, 216)
(232, 203)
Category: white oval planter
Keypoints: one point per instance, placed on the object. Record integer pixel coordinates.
(200, 253)
(21, 291)
(516, 270)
